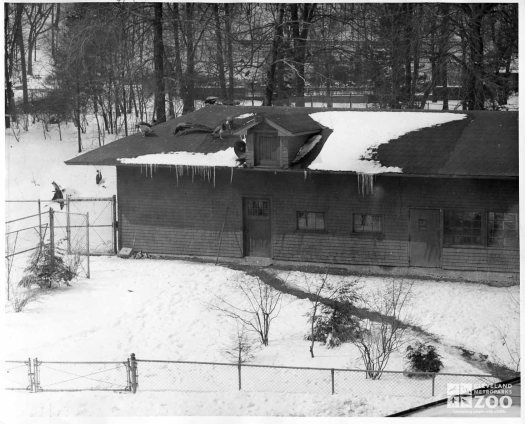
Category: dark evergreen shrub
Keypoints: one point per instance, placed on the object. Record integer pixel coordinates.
(422, 358)
(334, 326)
(48, 269)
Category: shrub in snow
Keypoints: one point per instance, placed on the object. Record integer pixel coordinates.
(422, 358)
(330, 319)
(333, 326)
(49, 268)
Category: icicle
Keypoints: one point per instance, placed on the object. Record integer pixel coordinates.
(365, 183)
(231, 176)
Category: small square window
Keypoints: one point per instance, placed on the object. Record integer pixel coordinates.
(366, 223)
(310, 221)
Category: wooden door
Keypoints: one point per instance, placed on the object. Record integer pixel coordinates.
(257, 231)
(425, 238)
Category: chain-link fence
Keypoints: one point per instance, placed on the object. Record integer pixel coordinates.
(186, 376)
(77, 376)
(102, 213)
(208, 376)
(103, 221)
(18, 375)
(29, 238)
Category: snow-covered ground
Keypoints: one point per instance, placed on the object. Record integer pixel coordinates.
(160, 309)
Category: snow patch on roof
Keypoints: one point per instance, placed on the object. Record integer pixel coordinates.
(222, 158)
(245, 115)
(356, 134)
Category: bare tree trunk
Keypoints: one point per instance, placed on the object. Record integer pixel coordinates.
(274, 58)
(158, 58)
(300, 35)
(220, 53)
(188, 97)
(228, 8)
(443, 52)
(20, 42)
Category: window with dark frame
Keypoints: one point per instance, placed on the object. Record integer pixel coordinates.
(310, 221)
(462, 228)
(367, 223)
(503, 230)
(258, 208)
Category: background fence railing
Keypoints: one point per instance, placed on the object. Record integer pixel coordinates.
(189, 376)
(102, 215)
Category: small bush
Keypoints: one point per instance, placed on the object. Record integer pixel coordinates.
(48, 269)
(333, 326)
(422, 358)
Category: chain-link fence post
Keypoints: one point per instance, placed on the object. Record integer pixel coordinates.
(133, 368)
(40, 221)
(87, 245)
(433, 383)
(30, 375)
(114, 222)
(128, 374)
(68, 224)
(332, 372)
(36, 375)
(52, 237)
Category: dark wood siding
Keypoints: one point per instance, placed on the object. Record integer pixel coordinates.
(185, 215)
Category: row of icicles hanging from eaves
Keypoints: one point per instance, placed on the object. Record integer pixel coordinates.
(365, 182)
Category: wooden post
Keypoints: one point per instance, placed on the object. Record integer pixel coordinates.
(87, 245)
(133, 368)
(68, 224)
(115, 242)
(332, 372)
(239, 372)
(52, 236)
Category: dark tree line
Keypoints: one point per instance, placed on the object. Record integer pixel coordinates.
(111, 58)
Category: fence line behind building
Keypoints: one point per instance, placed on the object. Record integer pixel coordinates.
(102, 211)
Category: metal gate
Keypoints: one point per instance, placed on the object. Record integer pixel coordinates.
(102, 221)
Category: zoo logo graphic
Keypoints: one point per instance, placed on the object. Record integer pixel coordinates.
(459, 395)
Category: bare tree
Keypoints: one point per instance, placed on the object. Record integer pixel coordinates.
(241, 348)
(378, 339)
(260, 305)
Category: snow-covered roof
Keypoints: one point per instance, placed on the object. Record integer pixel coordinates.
(356, 134)
(226, 158)
(412, 142)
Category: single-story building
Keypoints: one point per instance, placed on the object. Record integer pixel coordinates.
(402, 192)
